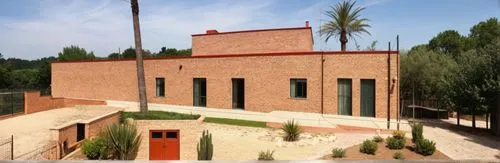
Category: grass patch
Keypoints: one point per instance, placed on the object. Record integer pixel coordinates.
(159, 115)
(236, 122)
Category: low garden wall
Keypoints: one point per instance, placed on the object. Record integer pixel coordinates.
(65, 135)
(33, 102)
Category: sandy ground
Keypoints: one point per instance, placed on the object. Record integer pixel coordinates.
(244, 143)
(32, 130)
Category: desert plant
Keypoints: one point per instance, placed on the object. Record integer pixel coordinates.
(95, 148)
(292, 130)
(268, 155)
(123, 141)
(398, 134)
(205, 148)
(338, 153)
(417, 130)
(368, 147)
(393, 143)
(398, 155)
(425, 147)
(378, 139)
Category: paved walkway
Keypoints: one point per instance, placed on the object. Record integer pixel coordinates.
(452, 142)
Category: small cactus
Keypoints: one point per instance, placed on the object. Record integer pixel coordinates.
(205, 147)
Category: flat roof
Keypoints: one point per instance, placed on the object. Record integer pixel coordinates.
(381, 52)
(255, 30)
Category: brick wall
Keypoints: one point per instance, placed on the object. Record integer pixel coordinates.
(94, 126)
(256, 41)
(33, 102)
(267, 80)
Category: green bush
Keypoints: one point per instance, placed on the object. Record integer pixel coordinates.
(268, 155)
(292, 130)
(398, 155)
(95, 148)
(205, 148)
(417, 130)
(159, 115)
(393, 143)
(425, 147)
(338, 153)
(368, 147)
(399, 134)
(378, 139)
(123, 141)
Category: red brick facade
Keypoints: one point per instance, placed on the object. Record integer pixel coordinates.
(33, 102)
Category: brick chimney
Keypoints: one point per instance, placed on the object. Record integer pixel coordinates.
(212, 31)
(307, 23)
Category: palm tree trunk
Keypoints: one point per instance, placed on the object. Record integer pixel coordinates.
(138, 51)
(343, 41)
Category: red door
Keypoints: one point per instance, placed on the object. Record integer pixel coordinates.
(164, 145)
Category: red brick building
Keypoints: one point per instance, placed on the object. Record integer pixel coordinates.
(256, 70)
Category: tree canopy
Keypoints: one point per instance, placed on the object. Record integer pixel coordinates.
(75, 53)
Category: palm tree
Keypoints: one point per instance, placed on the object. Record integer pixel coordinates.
(345, 22)
(143, 103)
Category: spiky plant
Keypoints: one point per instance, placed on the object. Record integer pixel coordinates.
(292, 130)
(205, 147)
(268, 155)
(124, 141)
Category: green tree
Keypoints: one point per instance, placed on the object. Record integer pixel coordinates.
(130, 53)
(115, 55)
(44, 73)
(485, 32)
(345, 23)
(373, 46)
(167, 52)
(75, 53)
(448, 42)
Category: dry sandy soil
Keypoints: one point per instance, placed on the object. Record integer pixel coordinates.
(32, 131)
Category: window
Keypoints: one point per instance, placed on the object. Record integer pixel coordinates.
(344, 92)
(298, 88)
(160, 87)
(157, 135)
(171, 135)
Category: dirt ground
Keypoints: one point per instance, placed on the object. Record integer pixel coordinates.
(32, 131)
(384, 153)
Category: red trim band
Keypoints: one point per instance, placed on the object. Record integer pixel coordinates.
(241, 55)
(256, 30)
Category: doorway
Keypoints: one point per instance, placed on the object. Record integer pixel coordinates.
(367, 98)
(238, 93)
(164, 145)
(344, 98)
(200, 92)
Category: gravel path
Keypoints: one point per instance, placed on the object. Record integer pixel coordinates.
(32, 131)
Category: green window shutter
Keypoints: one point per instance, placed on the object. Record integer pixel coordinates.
(293, 85)
(368, 98)
(344, 99)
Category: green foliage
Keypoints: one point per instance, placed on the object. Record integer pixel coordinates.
(115, 56)
(95, 148)
(130, 53)
(166, 52)
(74, 53)
(378, 139)
(398, 155)
(292, 130)
(159, 115)
(205, 147)
(399, 134)
(417, 130)
(395, 143)
(368, 147)
(448, 42)
(338, 153)
(124, 141)
(485, 32)
(425, 147)
(237, 122)
(345, 22)
(268, 155)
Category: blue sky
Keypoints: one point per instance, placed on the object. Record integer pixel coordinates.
(32, 29)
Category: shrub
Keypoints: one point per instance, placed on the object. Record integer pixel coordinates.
(368, 147)
(398, 155)
(205, 148)
(292, 130)
(378, 139)
(159, 115)
(393, 143)
(399, 134)
(95, 149)
(123, 141)
(425, 147)
(268, 155)
(338, 153)
(416, 132)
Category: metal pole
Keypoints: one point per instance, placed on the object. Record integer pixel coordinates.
(12, 147)
(389, 87)
(399, 95)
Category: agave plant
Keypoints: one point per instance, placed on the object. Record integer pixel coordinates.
(124, 141)
(267, 155)
(292, 130)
